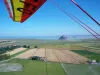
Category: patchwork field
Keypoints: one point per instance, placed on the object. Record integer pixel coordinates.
(65, 56)
(88, 54)
(36, 68)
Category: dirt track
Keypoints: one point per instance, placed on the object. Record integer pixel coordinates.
(65, 56)
(15, 51)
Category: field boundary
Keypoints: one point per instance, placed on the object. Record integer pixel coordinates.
(64, 69)
(6, 60)
(91, 49)
(14, 55)
(46, 61)
(59, 61)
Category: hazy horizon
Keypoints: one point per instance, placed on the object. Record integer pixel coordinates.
(69, 37)
(50, 21)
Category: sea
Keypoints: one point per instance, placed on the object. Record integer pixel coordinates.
(68, 37)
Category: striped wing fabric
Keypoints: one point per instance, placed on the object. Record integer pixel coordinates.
(21, 10)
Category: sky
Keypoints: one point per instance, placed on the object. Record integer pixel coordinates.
(50, 21)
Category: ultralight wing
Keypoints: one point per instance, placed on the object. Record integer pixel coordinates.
(23, 9)
(30, 7)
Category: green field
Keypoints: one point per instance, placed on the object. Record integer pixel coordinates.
(82, 69)
(36, 68)
(90, 55)
(30, 68)
(55, 69)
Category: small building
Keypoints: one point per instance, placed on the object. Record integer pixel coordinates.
(92, 62)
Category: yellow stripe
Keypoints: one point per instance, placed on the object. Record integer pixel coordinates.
(17, 14)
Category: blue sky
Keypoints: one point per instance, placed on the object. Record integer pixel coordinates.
(50, 21)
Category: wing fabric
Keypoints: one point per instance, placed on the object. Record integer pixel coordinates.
(9, 7)
(17, 14)
(30, 7)
(21, 10)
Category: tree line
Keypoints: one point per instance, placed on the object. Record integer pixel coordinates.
(9, 48)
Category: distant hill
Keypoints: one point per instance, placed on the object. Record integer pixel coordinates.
(63, 37)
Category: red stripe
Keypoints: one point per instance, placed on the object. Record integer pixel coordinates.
(8, 8)
(28, 6)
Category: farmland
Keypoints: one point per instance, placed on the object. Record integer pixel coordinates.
(36, 68)
(30, 68)
(70, 54)
(15, 51)
(54, 69)
(27, 54)
(56, 51)
(90, 55)
(82, 69)
(64, 56)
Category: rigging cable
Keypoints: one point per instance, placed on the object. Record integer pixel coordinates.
(72, 17)
(85, 24)
(86, 12)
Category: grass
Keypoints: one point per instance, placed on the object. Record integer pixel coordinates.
(82, 69)
(55, 69)
(90, 55)
(84, 52)
(30, 68)
(36, 68)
